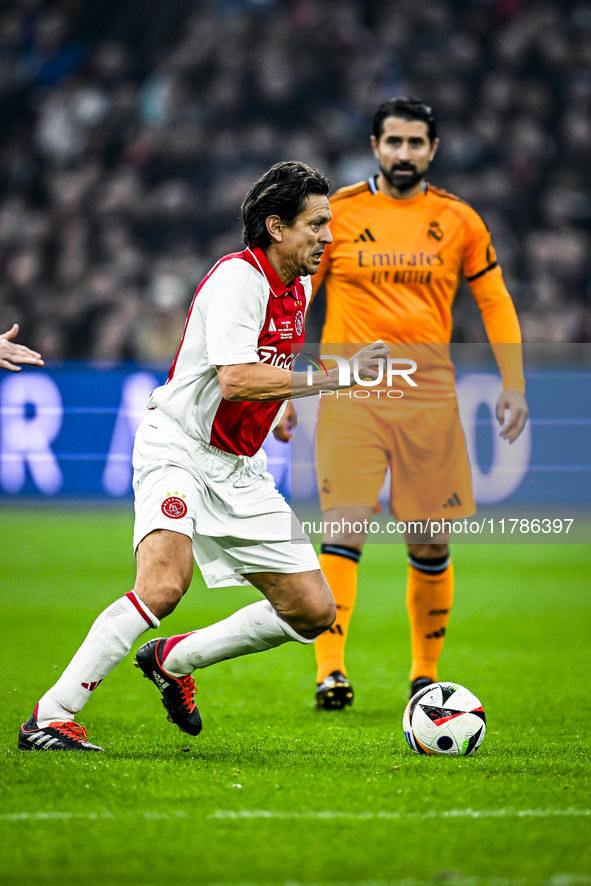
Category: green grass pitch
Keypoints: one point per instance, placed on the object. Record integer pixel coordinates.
(274, 792)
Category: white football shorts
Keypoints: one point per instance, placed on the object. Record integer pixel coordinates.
(226, 504)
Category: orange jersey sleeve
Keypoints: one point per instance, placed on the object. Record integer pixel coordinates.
(394, 267)
(485, 279)
(502, 326)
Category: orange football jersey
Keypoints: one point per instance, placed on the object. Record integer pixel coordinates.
(394, 267)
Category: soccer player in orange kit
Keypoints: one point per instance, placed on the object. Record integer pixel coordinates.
(400, 250)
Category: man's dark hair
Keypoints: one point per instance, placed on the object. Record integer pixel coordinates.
(408, 109)
(281, 191)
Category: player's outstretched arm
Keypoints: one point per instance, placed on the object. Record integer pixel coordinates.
(515, 403)
(259, 381)
(11, 354)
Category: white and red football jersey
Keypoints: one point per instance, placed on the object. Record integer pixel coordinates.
(241, 313)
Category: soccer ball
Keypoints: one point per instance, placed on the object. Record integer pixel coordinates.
(445, 719)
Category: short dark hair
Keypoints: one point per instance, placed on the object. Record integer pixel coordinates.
(408, 109)
(281, 191)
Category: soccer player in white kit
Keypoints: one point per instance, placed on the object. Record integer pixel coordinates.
(200, 482)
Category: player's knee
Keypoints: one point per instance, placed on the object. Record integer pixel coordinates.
(162, 596)
(316, 617)
(325, 615)
(170, 594)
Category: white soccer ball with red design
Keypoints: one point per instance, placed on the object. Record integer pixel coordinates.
(445, 719)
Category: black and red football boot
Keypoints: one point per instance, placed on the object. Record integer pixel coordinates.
(58, 736)
(177, 692)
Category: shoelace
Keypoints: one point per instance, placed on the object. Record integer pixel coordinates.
(72, 730)
(188, 690)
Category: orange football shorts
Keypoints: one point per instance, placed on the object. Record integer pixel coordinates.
(422, 442)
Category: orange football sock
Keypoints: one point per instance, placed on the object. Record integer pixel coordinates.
(341, 575)
(429, 600)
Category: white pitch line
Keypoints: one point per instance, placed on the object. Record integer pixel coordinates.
(396, 816)
(234, 815)
(90, 816)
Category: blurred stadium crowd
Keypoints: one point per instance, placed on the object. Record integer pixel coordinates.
(131, 130)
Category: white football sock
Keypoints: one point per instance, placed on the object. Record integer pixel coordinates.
(107, 643)
(253, 629)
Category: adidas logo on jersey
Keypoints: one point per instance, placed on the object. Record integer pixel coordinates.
(365, 236)
(453, 501)
(272, 327)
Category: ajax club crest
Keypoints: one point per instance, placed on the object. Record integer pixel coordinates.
(174, 507)
(299, 322)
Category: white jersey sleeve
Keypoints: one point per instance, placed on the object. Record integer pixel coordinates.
(235, 315)
(223, 328)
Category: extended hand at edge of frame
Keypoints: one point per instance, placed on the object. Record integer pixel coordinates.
(11, 354)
